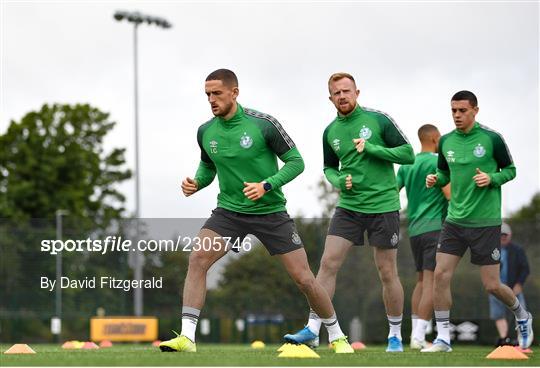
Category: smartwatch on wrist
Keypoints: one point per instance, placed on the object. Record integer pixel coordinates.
(267, 186)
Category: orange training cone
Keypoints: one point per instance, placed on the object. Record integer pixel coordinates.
(358, 345)
(156, 343)
(20, 349)
(105, 344)
(506, 352)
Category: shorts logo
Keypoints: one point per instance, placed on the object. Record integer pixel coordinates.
(296, 238)
(496, 255)
(450, 156)
(365, 132)
(336, 143)
(394, 239)
(479, 151)
(246, 141)
(213, 146)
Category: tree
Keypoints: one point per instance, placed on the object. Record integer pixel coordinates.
(55, 159)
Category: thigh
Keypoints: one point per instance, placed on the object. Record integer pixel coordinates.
(383, 230)
(348, 225)
(208, 247)
(485, 243)
(296, 264)
(336, 249)
(228, 225)
(452, 240)
(276, 231)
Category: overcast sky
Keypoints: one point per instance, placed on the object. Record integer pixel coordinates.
(408, 59)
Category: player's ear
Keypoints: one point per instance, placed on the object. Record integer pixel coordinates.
(236, 92)
(357, 93)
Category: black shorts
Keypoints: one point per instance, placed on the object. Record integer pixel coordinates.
(276, 231)
(382, 228)
(424, 250)
(485, 242)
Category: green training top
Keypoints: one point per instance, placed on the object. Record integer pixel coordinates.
(460, 154)
(426, 208)
(374, 182)
(242, 149)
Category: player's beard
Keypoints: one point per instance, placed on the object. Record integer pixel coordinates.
(346, 109)
(225, 110)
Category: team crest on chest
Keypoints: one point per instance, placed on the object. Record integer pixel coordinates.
(479, 151)
(336, 143)
(365, 132)
(246, 141)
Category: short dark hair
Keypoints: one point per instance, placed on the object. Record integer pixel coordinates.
(425, 131)
(466, 95)
(225, 75)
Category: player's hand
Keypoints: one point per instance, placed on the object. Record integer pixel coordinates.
(481, 178)
(431, 180)
(189, 186)
(254, 191)
(348, 182)
(360, 144)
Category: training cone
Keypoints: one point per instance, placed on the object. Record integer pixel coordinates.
(20, 349)
(506, 352)
(297, 351)
(526, 351)
(284, 346)
(68, 345)
(358, 345)
(105, 344)
(156, 342)
(90, 345)
(257, 344)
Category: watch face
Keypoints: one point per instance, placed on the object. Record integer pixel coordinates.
(267, 186)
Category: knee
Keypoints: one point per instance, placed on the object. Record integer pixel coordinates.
(305, 282)
(491, 286)
(329, 266)
(441, 276)
(387, 273)
(199, 261)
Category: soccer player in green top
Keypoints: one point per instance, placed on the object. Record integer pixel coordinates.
(476, 160)
(360, 147)
(241, 146)
(426, 211)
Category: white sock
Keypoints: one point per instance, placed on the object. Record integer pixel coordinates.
(518, 310)
(414, 319)
(395, 326)
(332, 326)
(443, 325)
(419, 333)
(314, 322)
(190, 317)
(429, 328)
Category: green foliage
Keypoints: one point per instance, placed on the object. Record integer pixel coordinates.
(54, 159)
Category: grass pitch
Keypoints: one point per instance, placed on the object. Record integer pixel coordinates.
(244, 355)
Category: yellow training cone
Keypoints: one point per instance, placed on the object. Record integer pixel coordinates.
(298, 351)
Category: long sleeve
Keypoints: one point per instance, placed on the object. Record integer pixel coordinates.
(504, 162)
(294, 166)
(331, 164)
(205, 174)
(206, 171)
(443, 170)
(402, 155)
(400, 178)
